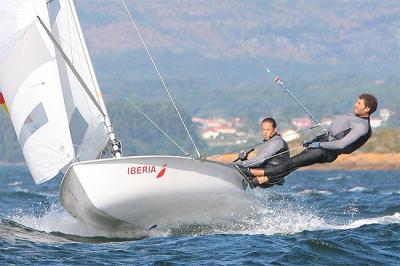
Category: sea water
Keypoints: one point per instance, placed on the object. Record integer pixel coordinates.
(316, 217)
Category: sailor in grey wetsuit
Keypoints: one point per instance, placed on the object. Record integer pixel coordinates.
(276, 144)
(272, 152)
(346, 134)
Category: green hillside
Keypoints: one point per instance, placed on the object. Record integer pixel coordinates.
(383, 140)
(251, 101)
(137, 134)
(324, 97)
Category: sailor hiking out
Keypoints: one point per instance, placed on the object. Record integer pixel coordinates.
(273, 146)
(345, 134)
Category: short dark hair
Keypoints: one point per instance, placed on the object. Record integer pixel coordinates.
(270, 120)
(370, 101)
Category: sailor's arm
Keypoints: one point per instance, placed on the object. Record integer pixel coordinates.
(357, 131)
(270, 148)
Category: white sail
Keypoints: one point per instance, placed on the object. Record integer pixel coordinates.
(86, 121)
(31, 88)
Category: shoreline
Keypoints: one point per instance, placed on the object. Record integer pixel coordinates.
(355, 161)
(361, 161)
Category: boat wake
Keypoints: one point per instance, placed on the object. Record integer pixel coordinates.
(57, 225)
(286, 217)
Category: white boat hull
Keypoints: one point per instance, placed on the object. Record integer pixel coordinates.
(140, 192)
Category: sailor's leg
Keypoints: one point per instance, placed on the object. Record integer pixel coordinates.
(245, 172)
(280, 170)
(254, 176)
(268, 181)
(312, 156)
(275, 174)
(257, 171)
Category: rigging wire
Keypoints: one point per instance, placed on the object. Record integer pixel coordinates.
(259, 143)
(278, 80)
(160, 129)
(152, 121)
(265, 159)
(159, 75)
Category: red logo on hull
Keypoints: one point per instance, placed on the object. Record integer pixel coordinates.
(162, 171)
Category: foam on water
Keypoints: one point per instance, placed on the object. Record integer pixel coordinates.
(388, 219)
(290, 217)
(357, 189)
(271, 221)
(56, 219)
(267, 216)
(333, 178)
(291, 221)
(340, 176)
(15, 183)
(315, 191)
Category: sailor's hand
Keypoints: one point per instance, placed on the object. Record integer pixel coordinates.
(306, 143)
(242, 156)
(314, 145)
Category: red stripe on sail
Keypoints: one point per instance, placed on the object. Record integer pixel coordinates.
(2, 101)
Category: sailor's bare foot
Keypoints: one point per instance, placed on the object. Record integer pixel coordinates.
(257, 172)
(262, 180)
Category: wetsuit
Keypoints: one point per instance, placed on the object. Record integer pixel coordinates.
(346, 134)
(268, 148)
(274, 146)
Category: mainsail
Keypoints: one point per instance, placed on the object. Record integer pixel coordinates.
(42, 95)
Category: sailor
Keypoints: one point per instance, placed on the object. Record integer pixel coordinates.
(346, 133)
(272, 152)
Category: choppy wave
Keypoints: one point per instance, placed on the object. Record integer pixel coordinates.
(287, 211)
(315, 192)
(15, 183)
(59, 222)
(388, 219)
(357, 189)
(282, 220)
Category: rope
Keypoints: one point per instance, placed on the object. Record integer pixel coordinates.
(264, 159)
(257, 144)
(160, 76)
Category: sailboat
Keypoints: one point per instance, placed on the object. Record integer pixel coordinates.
(48, 86)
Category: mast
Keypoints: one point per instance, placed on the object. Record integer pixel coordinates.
(99, 102)
(115, 143)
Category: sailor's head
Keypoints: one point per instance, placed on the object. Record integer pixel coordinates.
(268, 127)
(365, 105)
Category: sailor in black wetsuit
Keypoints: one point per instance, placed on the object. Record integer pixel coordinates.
(272, 152)
(346, 134)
